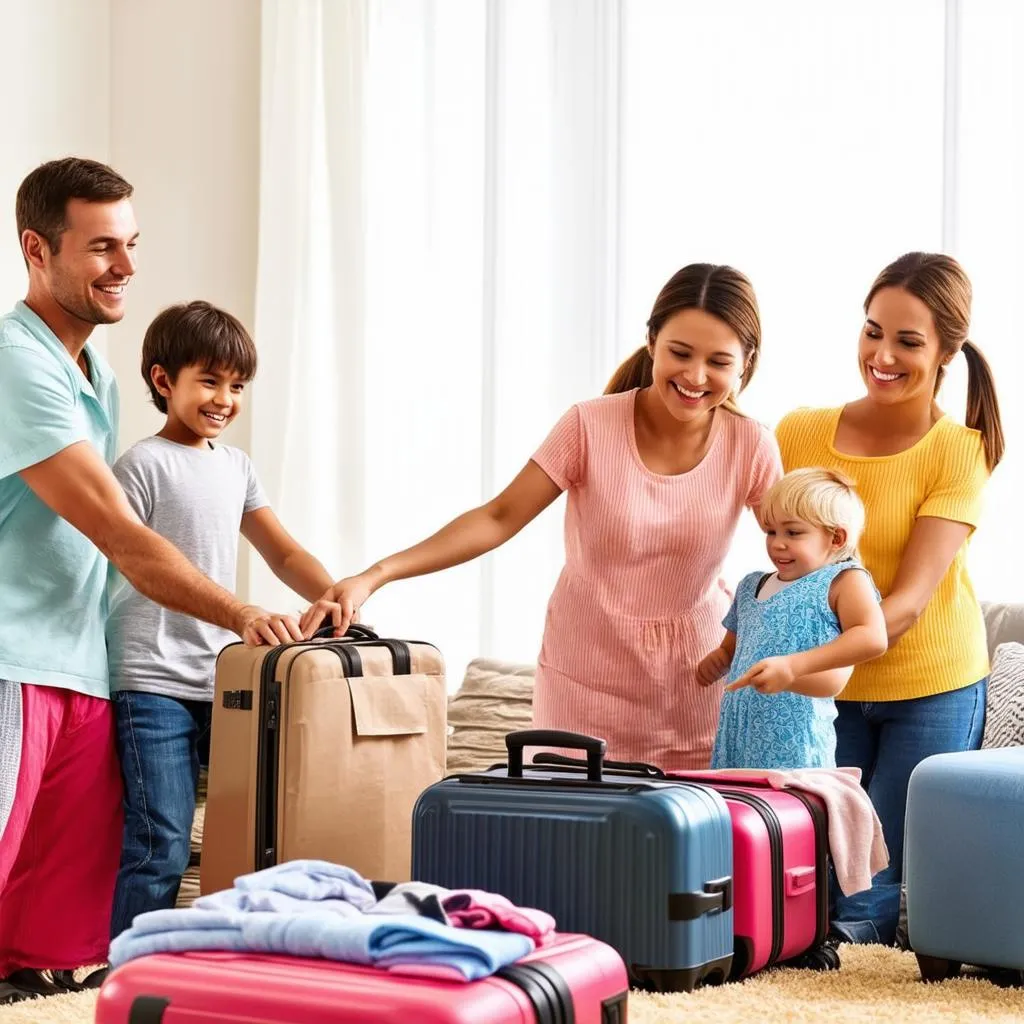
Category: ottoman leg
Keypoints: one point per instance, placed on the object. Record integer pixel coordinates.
(935, 968)
(1006, 977)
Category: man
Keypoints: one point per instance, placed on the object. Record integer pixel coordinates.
(62, 516)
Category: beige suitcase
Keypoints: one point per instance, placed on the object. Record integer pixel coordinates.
(319, 750)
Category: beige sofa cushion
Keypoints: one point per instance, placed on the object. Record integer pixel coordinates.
(1004, 623)
(495, 698)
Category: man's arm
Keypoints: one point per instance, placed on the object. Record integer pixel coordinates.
(79, 487)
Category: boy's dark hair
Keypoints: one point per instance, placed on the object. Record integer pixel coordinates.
(196, 334)
(42, 201)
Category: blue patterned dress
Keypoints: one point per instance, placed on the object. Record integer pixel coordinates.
(778, 730)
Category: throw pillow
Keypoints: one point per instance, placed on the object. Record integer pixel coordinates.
(1004, 710)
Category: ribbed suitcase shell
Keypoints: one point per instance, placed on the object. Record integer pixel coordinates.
(644, 866)
(963, 859)
(573, 979)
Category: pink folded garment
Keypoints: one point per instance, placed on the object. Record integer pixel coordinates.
(472, 908)
(855, 837)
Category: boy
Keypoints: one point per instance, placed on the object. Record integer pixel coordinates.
(198, 493)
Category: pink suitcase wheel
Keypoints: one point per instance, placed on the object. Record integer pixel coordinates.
(822, 958)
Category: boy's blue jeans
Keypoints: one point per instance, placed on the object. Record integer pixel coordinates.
(887, 740)
(161, 741)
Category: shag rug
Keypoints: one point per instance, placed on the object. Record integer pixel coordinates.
(875, 984)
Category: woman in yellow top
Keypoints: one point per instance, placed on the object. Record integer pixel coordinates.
(921, 476)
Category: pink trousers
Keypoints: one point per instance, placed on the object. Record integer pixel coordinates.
(60, 849)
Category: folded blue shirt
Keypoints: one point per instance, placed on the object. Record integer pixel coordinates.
(312, 880)
(130, 945)
(267, 900)
(386, 941)
(390, 941)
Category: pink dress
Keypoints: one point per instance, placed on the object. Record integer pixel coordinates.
(640, 600)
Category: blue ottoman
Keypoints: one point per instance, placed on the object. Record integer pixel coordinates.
(964, 861)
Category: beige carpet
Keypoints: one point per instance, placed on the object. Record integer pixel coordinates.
(875, 984)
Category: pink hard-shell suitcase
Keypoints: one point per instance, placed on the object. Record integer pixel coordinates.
(780, 874)
(573, 978)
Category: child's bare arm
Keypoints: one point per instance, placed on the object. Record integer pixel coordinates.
(863, 637)
(823, 684)
(714, 665)
(823, 671)
(289, 561)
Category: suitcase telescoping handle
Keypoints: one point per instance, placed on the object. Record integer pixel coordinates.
(647, 771)
(516, 741)
(354, 632)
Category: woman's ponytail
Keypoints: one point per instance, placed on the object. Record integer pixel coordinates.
(636, 372)
(983, 404)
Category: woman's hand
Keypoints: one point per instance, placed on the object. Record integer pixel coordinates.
(341, 604)
(772, 675)
(714, 666)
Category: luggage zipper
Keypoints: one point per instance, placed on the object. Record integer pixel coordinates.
(267, 748)
(774, 827)
(821, 860)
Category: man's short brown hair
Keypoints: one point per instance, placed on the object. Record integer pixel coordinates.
(196, 334)
(42, 202)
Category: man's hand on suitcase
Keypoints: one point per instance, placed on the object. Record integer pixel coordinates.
(257, 626)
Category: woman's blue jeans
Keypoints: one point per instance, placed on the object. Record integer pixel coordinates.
(887, 740)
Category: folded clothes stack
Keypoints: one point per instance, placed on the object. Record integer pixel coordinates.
(317, 909)
(495, 698)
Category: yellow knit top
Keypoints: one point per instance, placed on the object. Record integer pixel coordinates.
(943, 475)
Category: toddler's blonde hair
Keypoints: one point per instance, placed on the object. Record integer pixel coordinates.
(821, 497)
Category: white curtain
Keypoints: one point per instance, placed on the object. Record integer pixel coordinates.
(468, 207)
(986, 232)
(437, 283)
(308, 430)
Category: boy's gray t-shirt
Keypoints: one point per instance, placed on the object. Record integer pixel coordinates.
(195, 497)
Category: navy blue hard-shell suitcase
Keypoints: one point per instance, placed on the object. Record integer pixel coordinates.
(642, 865)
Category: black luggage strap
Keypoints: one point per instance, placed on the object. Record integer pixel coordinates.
(546, 989)
(147, 1010)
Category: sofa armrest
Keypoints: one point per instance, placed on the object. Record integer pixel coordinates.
(1004, 623)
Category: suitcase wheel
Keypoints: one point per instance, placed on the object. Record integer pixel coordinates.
(936, 968)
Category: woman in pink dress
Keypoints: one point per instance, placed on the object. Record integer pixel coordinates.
(658, 471)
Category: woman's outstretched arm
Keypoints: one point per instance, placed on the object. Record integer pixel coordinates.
(472, 534)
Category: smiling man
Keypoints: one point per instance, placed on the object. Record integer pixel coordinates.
(62, 516)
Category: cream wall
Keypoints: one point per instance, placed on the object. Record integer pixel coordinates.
(169, 95)
(55, 80)
(184, 116)
(184, 126)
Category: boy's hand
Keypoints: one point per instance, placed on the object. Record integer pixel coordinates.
(772, 675)
(714, 666)
(256, 626)
(342, 603)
